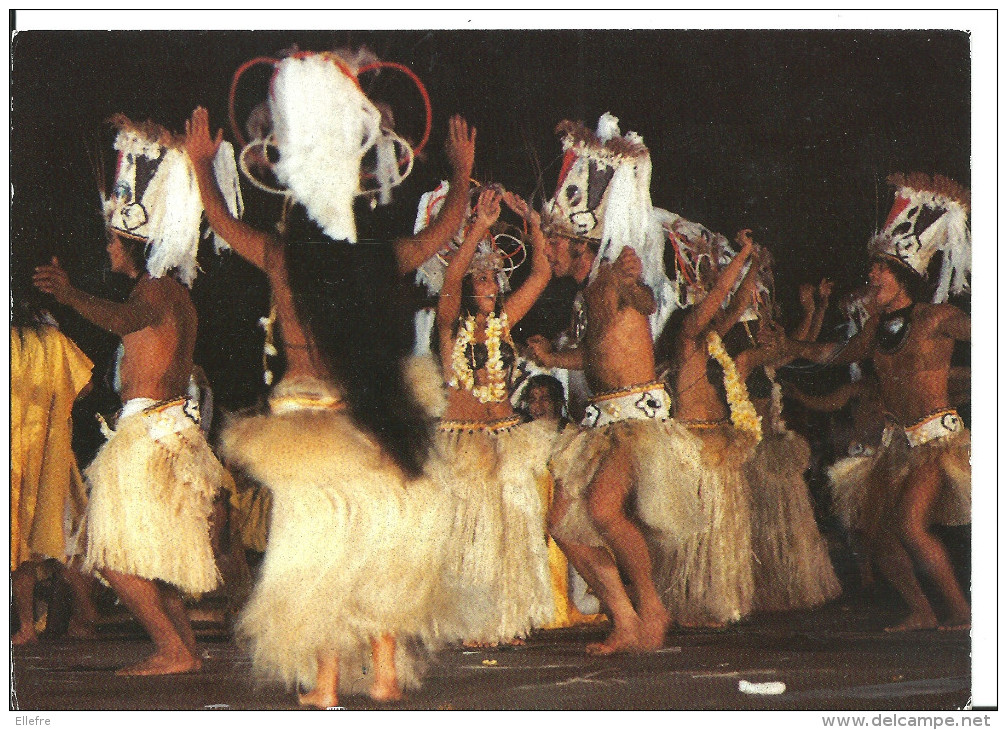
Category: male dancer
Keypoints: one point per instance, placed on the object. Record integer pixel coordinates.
(153, 482)
(629, 447)
(910, 344)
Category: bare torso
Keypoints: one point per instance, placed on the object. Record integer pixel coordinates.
(618, 347)
(914, 378)
(157, 360)
(695, 397)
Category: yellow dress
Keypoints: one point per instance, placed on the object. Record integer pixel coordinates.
(48, 372)
(566, 612)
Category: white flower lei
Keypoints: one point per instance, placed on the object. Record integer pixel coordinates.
(495, 390)
(743, 414)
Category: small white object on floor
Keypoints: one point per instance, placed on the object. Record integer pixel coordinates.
(762, 688)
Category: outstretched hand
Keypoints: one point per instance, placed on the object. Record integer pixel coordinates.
(52, 279)
(806, 295)
(744, 239)
(825, 290)
(199, 145)
(518, 204)
(487, 209)
(460, 146)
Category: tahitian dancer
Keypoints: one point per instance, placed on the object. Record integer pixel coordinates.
(357, 535)
(486, 458)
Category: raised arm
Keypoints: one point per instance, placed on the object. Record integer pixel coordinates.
(137, 312)
(806, 297)
(743, 298)
(460, 148)
(824, 292)
(250, 243)
(702, 314)
(450, 300)
(517, 304)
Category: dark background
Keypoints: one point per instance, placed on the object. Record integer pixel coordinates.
(791, 133)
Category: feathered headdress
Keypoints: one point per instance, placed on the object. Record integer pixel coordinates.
(323, 124)
(603, 193)
(929, 215)
(487, 257)
(155, 198)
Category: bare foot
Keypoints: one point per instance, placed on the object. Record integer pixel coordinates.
(621, 640)
(174, 663)
(653, 627)
(24, 637)
(479, 644)
(385, 691)
(914, 623)
(517, 641)
(320, 698)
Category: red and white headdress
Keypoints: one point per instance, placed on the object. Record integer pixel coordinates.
(603, 193)
(155, 197)
(323, 124)
(930, 215)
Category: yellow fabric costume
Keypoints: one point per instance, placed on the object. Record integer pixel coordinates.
(48, 372)
(566, 613)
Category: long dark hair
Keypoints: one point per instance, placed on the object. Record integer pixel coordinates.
(356, 306)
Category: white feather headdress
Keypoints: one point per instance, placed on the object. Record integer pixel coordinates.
(929, 215)
(156, 197)
(604, 193)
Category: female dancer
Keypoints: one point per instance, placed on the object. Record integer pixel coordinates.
(486, 458)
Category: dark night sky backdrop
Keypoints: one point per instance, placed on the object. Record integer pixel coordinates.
(791, 133)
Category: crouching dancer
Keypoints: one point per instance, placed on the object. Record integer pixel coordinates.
(628, 447)
(353, 564)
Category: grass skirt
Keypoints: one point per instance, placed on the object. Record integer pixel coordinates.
(354, 551)
(792, 565)
(709, 579)
(848, 486)
(152, 489)
(667, 470)
(498, 547)
(895, 461)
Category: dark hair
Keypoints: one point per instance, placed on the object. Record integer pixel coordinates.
(914, 285)
(28, 304)
(551, 384)
(352, 300)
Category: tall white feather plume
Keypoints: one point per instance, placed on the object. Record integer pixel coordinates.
(174, 209)
(226, 172)
(630, 220)
(323, 125)
(957, 263)
(608, 127)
